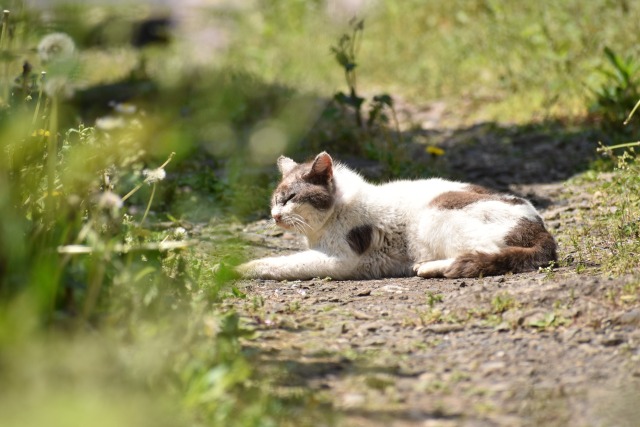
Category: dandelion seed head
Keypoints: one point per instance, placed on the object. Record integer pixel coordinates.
(56, 47)
(154, 175)
(123, 108)
(179, 232)
(109, 200)
(108, 123)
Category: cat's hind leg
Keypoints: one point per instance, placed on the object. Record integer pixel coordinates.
(431, 269)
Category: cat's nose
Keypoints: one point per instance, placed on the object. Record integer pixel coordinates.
(277, 217)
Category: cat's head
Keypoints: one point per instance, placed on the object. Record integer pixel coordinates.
(305, 197)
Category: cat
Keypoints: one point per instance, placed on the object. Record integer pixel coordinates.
(429, 228)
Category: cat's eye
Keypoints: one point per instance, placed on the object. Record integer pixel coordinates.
(289, 197)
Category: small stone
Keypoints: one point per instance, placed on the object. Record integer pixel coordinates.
(360, 315)
(444, 328)
(371, 326)
(364, 293)
(513, 317)
(503, 327)
(374, 342)
(395, 289)
(612, 340)
(278, 308)
(490, 368)
(631, 317)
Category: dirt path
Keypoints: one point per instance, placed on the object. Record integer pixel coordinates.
(552, 348)
(542, 348)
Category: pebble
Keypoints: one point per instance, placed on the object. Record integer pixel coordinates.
(360, 315)
(444, 328)
(612, 340)
(631, 317)
(371, 326)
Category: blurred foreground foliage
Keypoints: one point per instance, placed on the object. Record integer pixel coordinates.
(110, 314)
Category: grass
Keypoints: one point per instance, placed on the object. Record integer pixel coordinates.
(608, 238)
(503, 60)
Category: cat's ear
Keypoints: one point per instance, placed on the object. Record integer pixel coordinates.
(286, 165)
(322, 168)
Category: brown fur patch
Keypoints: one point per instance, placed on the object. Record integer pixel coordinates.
(359, 238)
(529, 246)
(457, 199)
(513, 200)
(472, 194)
(479, 189)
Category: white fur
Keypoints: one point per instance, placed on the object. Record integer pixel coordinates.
(409, 236)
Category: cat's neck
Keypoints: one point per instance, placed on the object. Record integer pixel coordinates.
(349, 185)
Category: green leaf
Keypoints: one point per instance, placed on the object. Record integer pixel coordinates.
(238, 293)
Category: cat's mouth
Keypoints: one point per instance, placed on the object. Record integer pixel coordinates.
(280, 222)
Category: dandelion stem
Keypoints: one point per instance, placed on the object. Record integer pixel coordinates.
(52, 154)
(153, 192)
(93, 292)
(137, 187)
(132, 192)
(4, 45)
(40, 91)
(396, 123)
(173, 153)
(626, 122)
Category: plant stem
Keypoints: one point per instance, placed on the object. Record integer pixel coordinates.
(52, 155)
(626, 122)
(614, 147)
(94, 288)
(4, 45)
(137, 187)
(40, 91)
(153, 192)
(396, 123)
(132, 192)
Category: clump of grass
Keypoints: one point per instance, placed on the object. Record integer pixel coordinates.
(617, 95)
(611, 237)
(503, 302)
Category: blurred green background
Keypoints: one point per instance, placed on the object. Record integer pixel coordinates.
(131, 132)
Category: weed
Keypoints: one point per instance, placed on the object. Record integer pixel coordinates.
(618, 94)
(503, 302)
(549, 271)
(433, 298)
(551, 320)
(293, 307)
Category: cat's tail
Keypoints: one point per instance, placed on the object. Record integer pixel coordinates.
(524, 253)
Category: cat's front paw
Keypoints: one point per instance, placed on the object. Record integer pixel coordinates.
(255, 270)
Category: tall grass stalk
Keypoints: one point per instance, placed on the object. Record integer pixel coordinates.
(4, 45)
(52, 155)
(146, 211)
(626, 122)
(43, 75)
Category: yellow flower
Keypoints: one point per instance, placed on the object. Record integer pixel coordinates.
(434, 151)
(41, 132)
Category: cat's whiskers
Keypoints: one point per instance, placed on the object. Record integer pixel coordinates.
(299, 223)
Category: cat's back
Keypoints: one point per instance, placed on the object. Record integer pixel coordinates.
(418, 193)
